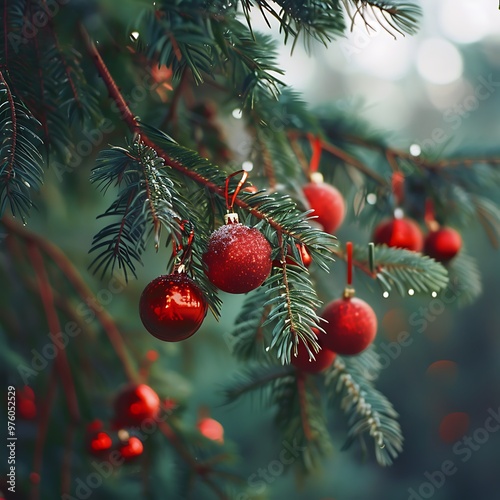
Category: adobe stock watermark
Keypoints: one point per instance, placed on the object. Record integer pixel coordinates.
(420, 319)
(483, 90)
(264, 476)
(84, 487)
(58, 341)
(46, 11)
(464, 449)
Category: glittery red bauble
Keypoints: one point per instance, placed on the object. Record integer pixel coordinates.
(323, 359)
(134, 404)
(351, 327)
(290, 259)
(401, 233)
(238, 258)
(327, 203)
(172, 307)
(443, 244)
(133, 448)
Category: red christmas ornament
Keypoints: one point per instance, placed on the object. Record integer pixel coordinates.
(401, 233)
(172, 307)
(134, 404)
(211, 429)
(351, 327)
(323, 359)
(99, 442)
(327, 203)
(443, 244)
(238, 258)
(132, 448)
(25, 403)
(290, 260)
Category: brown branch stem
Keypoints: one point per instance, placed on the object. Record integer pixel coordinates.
(61, 359)
(67, 268)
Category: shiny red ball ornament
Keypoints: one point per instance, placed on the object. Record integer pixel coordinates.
(351, 327)
(401, 233)
(323, 359)
(328, 205)
(131, 449)
(238, 258)
(172, 307)
(134, 404)
(443, 244)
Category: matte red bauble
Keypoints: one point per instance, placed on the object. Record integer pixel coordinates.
(401, 233)
(327, 203)
(323, 359)
(238, 258)
(172, 307)
(443, 244)
(133, 448)
(351, 327)
(134, 404)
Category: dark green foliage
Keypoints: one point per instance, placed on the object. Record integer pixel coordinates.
(20, 161)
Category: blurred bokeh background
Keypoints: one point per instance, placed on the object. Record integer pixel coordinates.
(436, 91)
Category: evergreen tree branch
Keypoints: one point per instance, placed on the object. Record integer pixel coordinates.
(368, 411)
(20, 160)
(74, 278)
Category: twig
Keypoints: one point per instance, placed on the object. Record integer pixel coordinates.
(134, 125)
(67, 268)
(61, 360)
(41, 434)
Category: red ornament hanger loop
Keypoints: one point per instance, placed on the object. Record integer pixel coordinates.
(430, 216)
(317, 148)
(230, 202)
(398, 181)
(179, 247)
(349, 290)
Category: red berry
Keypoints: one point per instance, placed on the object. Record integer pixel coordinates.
(211, 429)
(238, 258)
(99, 443)
(351, 327)
(172, 307)
(25, 403)
(133, 448)
(443, 244)
(134, 404)
(323, 359)
(327, 203)
(401, 233)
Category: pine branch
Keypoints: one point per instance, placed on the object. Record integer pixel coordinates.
(367, 410)
(20, 161)
(394, 18)
(465, 280)
(399, 268)
(74, 278)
